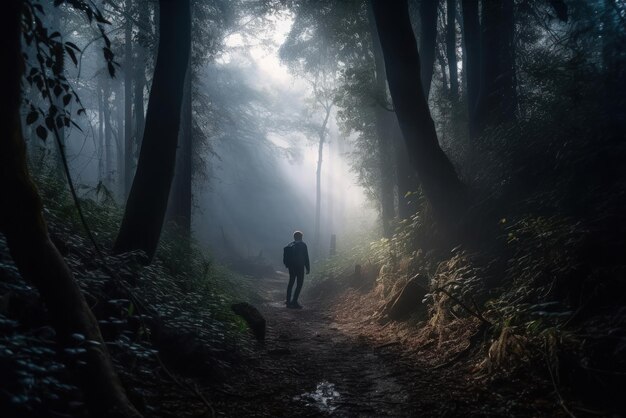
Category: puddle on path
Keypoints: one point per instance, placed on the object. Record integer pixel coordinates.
(322, 398)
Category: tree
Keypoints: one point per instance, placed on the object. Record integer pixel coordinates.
(179, 207)
(147, 201)
(384, 128)
(496, 100)
(471, 53)
(428, 41)
(324, 98)
(439, 180)
(451, 48)
(209, 23)
(23, 225)
(128, 103)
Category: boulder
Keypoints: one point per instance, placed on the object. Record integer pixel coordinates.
(408, 300)
(253, 317)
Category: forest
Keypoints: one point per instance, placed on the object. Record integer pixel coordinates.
(449, 173)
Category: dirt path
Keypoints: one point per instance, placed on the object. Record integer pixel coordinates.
(311, 365)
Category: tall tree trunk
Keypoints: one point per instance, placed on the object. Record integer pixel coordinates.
(147, 201)
(128, 103)
(140, 77)
(179, 207)
(329, 186)
(101, 154)
(406, 180)
(443, 65)
(440, 182)
(428, 41)
(471, 52)
(108, 136)
(383, 121)
(451, 49)
(496, 98)
(36, 257)
(140, 82)
(318, 181)
(507, 51)
(119, 142)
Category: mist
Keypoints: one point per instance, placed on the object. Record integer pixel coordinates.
(297, 208)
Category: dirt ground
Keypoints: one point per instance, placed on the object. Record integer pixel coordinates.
(331, 359)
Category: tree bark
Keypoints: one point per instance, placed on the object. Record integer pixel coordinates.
(440, 182)
(147, 201)
(384, 122)
(179, 207)
(36, 257)
(451, 49)
(128, 103)
(471, 38)
(406, 180)
(428, 41)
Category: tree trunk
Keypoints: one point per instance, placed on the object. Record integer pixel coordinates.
(440, 182)
(108, 136)
(428, 41)
(496, 98)
(36, 257)
(101, 164)
(451, 49)
(147, 201)
(179, 207)
(119, 142)
(383, 121)
(128, 103)
(318, 178)
(140, 80)
(406, 180)
(471, 38)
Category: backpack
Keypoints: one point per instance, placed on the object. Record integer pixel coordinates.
(289, 254)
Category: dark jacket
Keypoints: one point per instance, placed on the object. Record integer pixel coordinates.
(301, 255)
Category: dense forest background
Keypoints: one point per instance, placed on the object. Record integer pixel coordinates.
(456, 166)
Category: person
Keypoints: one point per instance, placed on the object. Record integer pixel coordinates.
(296, 259)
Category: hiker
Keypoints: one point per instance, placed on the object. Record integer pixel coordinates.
(296, 259)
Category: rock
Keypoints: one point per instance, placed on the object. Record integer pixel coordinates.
(253, 317)
(408, 300)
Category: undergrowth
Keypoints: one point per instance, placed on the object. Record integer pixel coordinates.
(201, 284)
(540, 261)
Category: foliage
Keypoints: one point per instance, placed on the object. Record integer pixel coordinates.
(46, 72)
(202, 285)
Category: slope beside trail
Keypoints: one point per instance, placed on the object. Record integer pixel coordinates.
(318, 361)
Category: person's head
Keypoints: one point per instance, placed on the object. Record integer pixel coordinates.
(297, 236)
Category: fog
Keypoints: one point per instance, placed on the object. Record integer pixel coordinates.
(255, 174)
(264, 182)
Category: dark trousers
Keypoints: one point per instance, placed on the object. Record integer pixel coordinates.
(295, 273)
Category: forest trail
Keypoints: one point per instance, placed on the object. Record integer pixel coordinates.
(313, 365)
